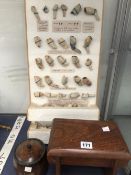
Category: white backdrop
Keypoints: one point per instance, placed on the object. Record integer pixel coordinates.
(13, 61)
(14, 87)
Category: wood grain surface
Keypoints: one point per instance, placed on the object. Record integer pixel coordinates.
(109, 148)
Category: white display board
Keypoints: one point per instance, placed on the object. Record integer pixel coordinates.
(13, 53)
(42, 107)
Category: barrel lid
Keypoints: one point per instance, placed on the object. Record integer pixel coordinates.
(29, 152)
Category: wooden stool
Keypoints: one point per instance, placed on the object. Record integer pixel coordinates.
(87, 143)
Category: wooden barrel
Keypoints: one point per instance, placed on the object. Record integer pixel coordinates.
(30, 158)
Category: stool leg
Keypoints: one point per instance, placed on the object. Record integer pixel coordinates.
(58, 166)
(113, 170)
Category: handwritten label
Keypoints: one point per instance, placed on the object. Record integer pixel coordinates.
(68, 52)
(106, 129)
(88, 27)
(28, 169)
(63, 70)
(42, 26)
(86, 145)
(66, 26)
(6, 149)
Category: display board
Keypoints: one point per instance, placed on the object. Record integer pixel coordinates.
(64, 39)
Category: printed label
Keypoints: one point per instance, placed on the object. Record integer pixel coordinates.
(86, 145)
(6, 149)
(66, 26)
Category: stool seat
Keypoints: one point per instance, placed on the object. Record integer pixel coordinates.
(87, 143)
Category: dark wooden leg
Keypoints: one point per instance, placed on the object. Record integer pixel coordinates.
(113, 170)
(110, 171)
(58, 166)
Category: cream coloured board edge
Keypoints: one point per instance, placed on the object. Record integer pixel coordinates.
(40, 114)
(43, 134)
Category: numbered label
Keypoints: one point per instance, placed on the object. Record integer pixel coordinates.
(28, 169)
(106, 129)
(86, 145)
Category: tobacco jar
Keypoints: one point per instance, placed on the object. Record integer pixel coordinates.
(30, 158)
